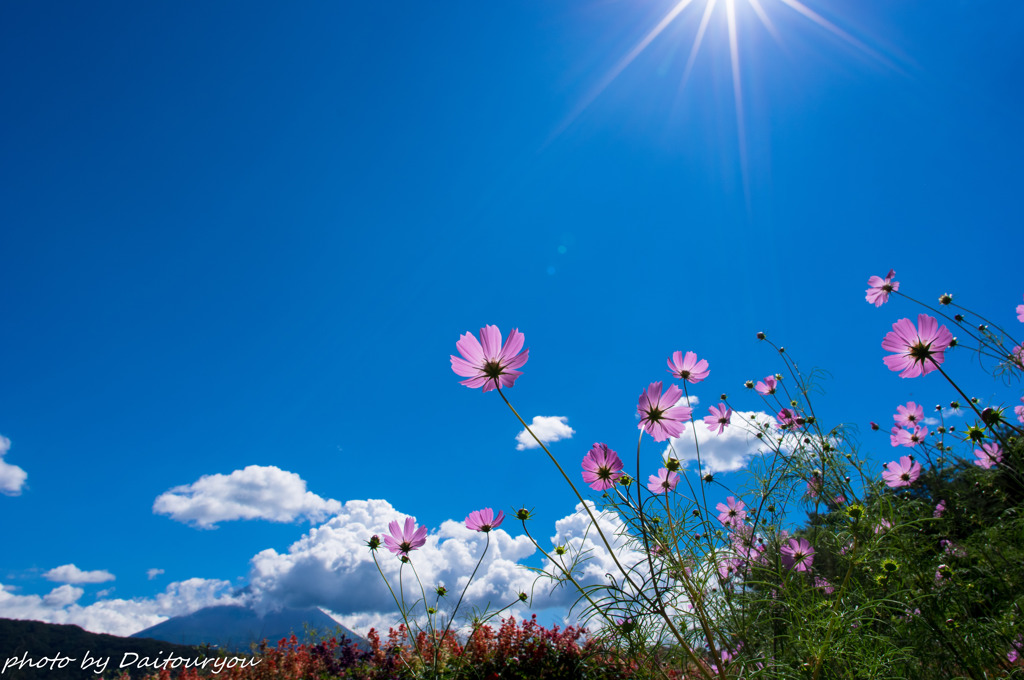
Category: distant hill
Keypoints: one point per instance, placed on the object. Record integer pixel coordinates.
(35, 640)
(236, 628)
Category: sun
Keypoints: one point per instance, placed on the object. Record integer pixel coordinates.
(763, 9)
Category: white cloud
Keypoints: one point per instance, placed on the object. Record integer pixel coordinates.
(12, 477)
(931, 421)
(116, 617)
(257, 492)
(69, 573)
(950, 412)
(726, 452)
(548, 429)
(332, 567)
(153, 573)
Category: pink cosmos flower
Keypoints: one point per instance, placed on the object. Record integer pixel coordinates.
(988, 455)
(1017, 355)
(909, 438)
(903, 473)
(787, 418)
(878, 293)
(688, 368)
(909, 415)
(823, 585)
(728, 567)
(659, 415)
(797, 554)
(484, 520)
(489, 365)
(601, 467)
(719, 418)
(1020, 313)
(1019, 410)
(767, 386)
(814, 486)
(732, 512)
(663, 482)
(403, 541)
(918, 351)
(939, 509)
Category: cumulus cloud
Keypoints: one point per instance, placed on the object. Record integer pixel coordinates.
(12, 477)
(116, 617)
(332, 567)
(69, 573)
(726, 452)
(548, 429)
(256, 492)
(153, 573)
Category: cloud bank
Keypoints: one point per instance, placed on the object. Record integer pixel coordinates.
(256, 492)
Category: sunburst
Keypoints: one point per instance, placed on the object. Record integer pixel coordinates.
(730, 8)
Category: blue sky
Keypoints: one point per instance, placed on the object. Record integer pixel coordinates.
(249, 234)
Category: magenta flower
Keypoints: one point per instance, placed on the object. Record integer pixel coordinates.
(484, 520)
(663, 482)
(403, 541)
(489, 365)
(659, 415)
(910, 438)
(797, 554)
(918, 351)
(814, 486)
(988, 455)
(909, 415)
(787, 418)
(732, 512)
(939, 509)
(767, 386)
(878, 293)
(601, 467)
(688, 368)
(719, 418)
(903, 473)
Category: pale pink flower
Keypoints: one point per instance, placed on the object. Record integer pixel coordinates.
(797, 554)
(910, 438)
(489, 365)
(903, 473)
(1017, 355)
(1020, 313)
(659, 415)
(484, 520)
(601, 467)
(1019, 411)
(939, 509)
(988, 455)
(688, 368)
(719, 418)
(909, 415)
(732, 514)
(663, 482)
(918, 351)
(878, 293)
(766, 386)
(403, 541)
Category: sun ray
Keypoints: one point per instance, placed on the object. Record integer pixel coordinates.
(737, 89)
(709, 9)
(622, 64)
(810, 14)
(763, 16)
